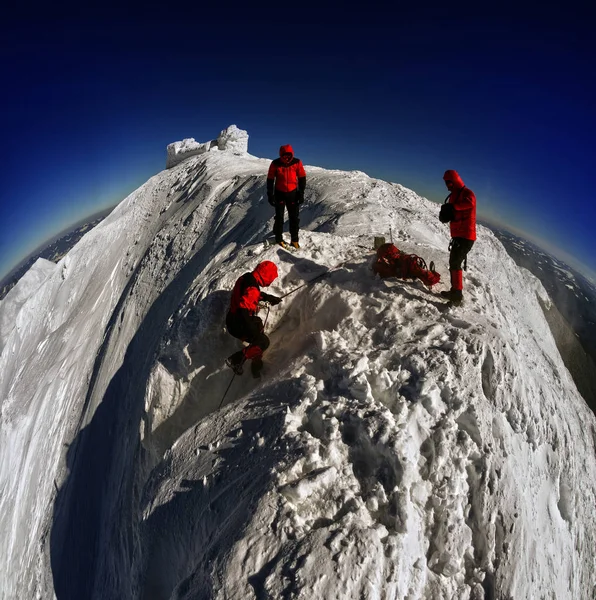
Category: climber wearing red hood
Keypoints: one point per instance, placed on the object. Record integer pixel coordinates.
(286, 182)
(459, 211)
(242, 321)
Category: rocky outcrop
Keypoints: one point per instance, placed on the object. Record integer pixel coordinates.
(232, 139)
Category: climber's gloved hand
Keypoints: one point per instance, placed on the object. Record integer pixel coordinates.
(273, 300)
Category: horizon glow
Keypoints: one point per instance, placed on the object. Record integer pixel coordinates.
(44, 234)
(376, 98)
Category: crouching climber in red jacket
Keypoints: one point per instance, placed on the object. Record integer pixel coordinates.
(459, 211)
(242, 321)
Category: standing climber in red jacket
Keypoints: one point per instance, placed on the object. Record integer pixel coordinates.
(242, 321)
(286, 182)
(459, 211)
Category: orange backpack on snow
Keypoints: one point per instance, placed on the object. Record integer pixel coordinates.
(391, 262)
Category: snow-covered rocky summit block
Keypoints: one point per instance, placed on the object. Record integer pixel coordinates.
(395, 447)
(232, 139)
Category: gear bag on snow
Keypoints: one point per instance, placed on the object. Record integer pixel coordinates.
(391, 262)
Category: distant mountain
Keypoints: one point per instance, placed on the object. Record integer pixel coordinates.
(574, 297)
(53, 251)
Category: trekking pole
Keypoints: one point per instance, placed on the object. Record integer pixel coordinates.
(304, 284)
(225, 393)
(268, 309)
(321, 275)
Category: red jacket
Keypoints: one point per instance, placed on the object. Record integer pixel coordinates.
(287, 175)
(391, 262)
(247, 290)
(463, 224)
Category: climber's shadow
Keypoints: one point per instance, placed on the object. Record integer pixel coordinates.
(413, 289)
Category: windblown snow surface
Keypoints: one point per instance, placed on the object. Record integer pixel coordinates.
(394, 448)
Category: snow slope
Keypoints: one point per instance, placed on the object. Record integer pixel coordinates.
(395, 447)
(20, 294)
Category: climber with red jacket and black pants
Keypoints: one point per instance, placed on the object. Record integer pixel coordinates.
(286, 182)
(459, 210)
(242, 321)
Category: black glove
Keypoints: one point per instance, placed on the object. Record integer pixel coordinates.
(447, 213)
(300, 196)
(271, 199)
(273, 300)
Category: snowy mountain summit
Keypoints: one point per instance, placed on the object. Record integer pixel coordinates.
(395, 447)
(231, 139)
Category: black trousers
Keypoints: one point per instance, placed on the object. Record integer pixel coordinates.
(248, 330)
(285, 200)
(458, 250)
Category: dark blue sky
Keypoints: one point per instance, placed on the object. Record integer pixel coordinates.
(89, 107)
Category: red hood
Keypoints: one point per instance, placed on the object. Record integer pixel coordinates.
(452, 175)
(265, 273)
(286, 148)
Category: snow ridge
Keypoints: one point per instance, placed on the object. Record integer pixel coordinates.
(395, 448)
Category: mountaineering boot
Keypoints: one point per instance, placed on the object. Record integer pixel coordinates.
(455, 294)
(235, 362)
(282, 244)
(256, 366)
(296, 245)
(457, 297)
(457, 286)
